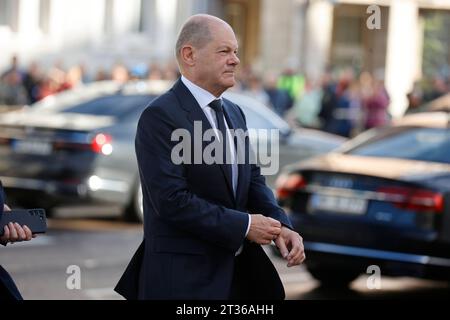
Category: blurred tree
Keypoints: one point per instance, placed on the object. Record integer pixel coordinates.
(436, 44)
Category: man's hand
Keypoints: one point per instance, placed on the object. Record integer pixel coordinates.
(263, 229)
(13, 232)
(290, 244)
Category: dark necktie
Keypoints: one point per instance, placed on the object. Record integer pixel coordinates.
(216, 105)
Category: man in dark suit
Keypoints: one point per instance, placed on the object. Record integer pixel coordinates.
(12, 232)
(204, 224)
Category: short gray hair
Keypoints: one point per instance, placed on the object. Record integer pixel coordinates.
(195, 32)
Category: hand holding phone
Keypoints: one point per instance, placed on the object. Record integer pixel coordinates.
(34, 219)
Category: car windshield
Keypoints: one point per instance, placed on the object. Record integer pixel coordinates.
(413, 143)
(68, 98)
(258, 115)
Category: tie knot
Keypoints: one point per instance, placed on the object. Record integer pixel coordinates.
(216, 105)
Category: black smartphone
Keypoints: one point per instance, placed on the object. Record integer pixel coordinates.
(34, 219)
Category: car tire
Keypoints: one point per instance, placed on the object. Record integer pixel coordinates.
(332, 277)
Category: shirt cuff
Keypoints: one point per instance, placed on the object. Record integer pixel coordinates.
(249, 223)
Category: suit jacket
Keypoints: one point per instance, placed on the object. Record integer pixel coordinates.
(193, 223)
(8, 289)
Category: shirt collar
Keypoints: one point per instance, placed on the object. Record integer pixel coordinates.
(202, 96)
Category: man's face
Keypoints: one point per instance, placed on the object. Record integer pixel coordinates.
(216, 62)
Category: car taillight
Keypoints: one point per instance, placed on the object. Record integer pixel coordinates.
(414, 199)
(101, 143)
(287, 185)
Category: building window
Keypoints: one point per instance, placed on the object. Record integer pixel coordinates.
(7, 9)
(109, 17)
(243, 16)
(353, 44)
(348, 30)
(436, 44)
(146, 15)
(44, 15)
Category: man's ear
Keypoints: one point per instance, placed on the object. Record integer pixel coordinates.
(187, 55)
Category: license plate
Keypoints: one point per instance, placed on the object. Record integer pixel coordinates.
(335, 204)
(32, 147)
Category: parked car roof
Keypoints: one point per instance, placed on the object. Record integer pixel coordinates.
(425, 119)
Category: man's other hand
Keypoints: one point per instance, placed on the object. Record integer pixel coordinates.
(290, 244)
(263, 229)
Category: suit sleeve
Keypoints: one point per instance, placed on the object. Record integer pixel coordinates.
(165, 184)
(260, 197)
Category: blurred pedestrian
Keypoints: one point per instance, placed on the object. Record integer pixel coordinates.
(256, 90)
(31, 82)
(340, 121)
(328, 100)
(293, 83)
(120, 73)
(415, 98)
(279, 99)
(14, 68)
(308, 106)
(12, 91)
(376, 106)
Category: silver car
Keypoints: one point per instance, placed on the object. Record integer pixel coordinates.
(77, 147)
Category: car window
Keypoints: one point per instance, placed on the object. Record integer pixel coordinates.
(258, 115)
(114, 105)
(424, 144)
(255, 120)
(78, 95)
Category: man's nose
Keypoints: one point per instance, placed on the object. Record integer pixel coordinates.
(234, 60)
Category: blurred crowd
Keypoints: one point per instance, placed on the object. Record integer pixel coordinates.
(340, 102)
(25, 86)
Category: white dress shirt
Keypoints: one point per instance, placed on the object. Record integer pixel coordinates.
(204, 98)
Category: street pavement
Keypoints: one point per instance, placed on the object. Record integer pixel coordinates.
(99, 250)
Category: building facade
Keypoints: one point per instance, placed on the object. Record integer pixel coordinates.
(305, 35)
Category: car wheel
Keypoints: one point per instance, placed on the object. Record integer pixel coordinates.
(139, 204)
(135, 210)
(333, 277)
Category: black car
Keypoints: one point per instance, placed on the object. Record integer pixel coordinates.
(78, 147)
(381, 199)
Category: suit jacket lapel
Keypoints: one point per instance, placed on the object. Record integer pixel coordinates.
(195, 113)
(188, 103)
